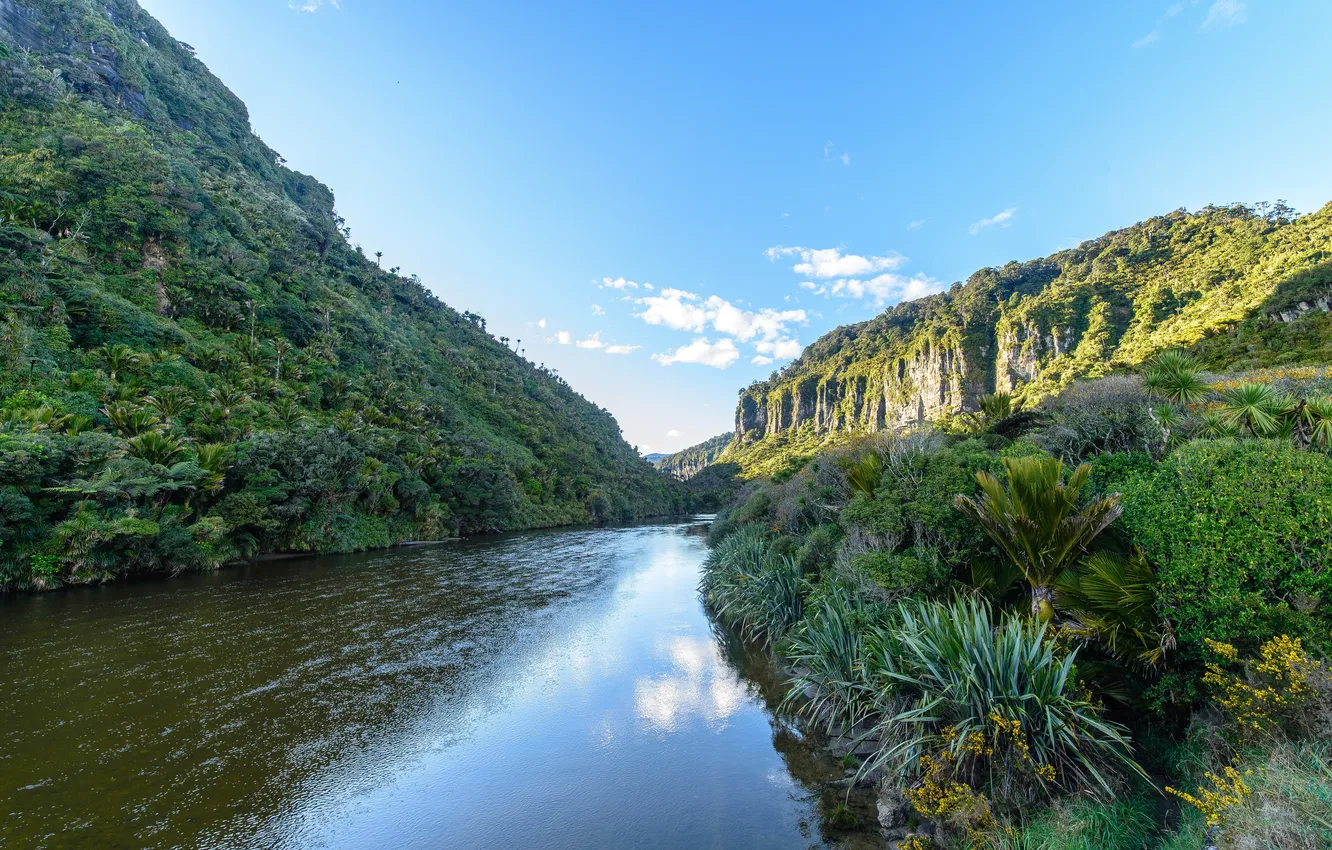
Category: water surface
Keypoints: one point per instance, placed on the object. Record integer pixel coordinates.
(546, 690)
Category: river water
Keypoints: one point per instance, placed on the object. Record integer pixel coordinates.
(540, 691)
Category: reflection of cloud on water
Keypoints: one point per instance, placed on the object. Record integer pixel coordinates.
(700, 684)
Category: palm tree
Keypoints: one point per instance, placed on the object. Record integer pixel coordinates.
(118, 358)
(1036, 521)
(1254, 406)
(1318, 416)
(155, 447)
(170, 403)
(1176, 377)
(1113, 601)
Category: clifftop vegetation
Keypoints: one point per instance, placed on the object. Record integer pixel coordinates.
(1240, 287)
(196, 364)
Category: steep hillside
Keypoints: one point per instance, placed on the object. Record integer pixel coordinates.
(1240, 286)
(196, 364)
(687, 463)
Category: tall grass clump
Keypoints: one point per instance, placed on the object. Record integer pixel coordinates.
(757, 594)
(835, 680)
(992, 705)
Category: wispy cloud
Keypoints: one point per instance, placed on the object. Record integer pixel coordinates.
(831, 262)
(562, 337)
(1174, 9)
(622, 349)
(760, 360)
(541, 323)
(1149, 38)
(917, 224)
(827, 147)
(672, 433)
(619, 283)
(313, 5)
(888, 288)
(846, 159)
(998, 219)
(597, 311)
(1225, 13)
(593, 342)
(702, 351)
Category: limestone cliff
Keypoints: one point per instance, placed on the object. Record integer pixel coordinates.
(1183, 280)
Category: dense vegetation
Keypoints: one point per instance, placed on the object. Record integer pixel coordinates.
(195, 363)
(687, 463)
(1101, 621)
(1240, 287)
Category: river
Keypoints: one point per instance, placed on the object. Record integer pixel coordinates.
(545, 690)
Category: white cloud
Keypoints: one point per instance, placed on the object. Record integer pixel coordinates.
(883, 289)
(649, 287)
(672, 433)
(1226, 13)
(917, 224)
(313, 5)
(685, 311)
(782, 349)
(998, 218)
(597, 311)
(745, 325)
(1149, 38)
(541, 323)
(675, 309)
(592, 342)
(760, 360)
(831, 262)
(622, 349)
(718, 355)
(1174, 9)
(618, 283)
(827, 146)
(846, 159)
(562, 337)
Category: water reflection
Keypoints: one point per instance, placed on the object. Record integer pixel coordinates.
(549, 691)
(700, 684)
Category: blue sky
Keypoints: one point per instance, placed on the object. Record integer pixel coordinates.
(693, 191)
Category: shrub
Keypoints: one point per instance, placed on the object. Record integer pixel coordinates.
(833, 682)
(760, 596)
(989, 703)
(912, 571)
(1095, 417)
(1241, 535)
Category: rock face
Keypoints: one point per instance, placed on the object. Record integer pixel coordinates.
(934, 379)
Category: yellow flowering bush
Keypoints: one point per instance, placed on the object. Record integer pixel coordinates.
(1276, 689)
(1227, 793)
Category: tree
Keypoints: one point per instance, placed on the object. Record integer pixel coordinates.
(1036, 521)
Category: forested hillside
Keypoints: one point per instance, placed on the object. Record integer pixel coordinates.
(687, 463)
(1240, 287)
(197, 365)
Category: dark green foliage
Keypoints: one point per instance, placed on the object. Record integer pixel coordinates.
(166, 284)
(758, 591)
(1241, 534)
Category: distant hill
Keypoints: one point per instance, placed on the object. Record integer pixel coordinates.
(1239, 286)
(655, 457)
(687, 463)
(196, 363)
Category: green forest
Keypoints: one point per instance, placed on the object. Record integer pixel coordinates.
(197, 364)
(1098, 621)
